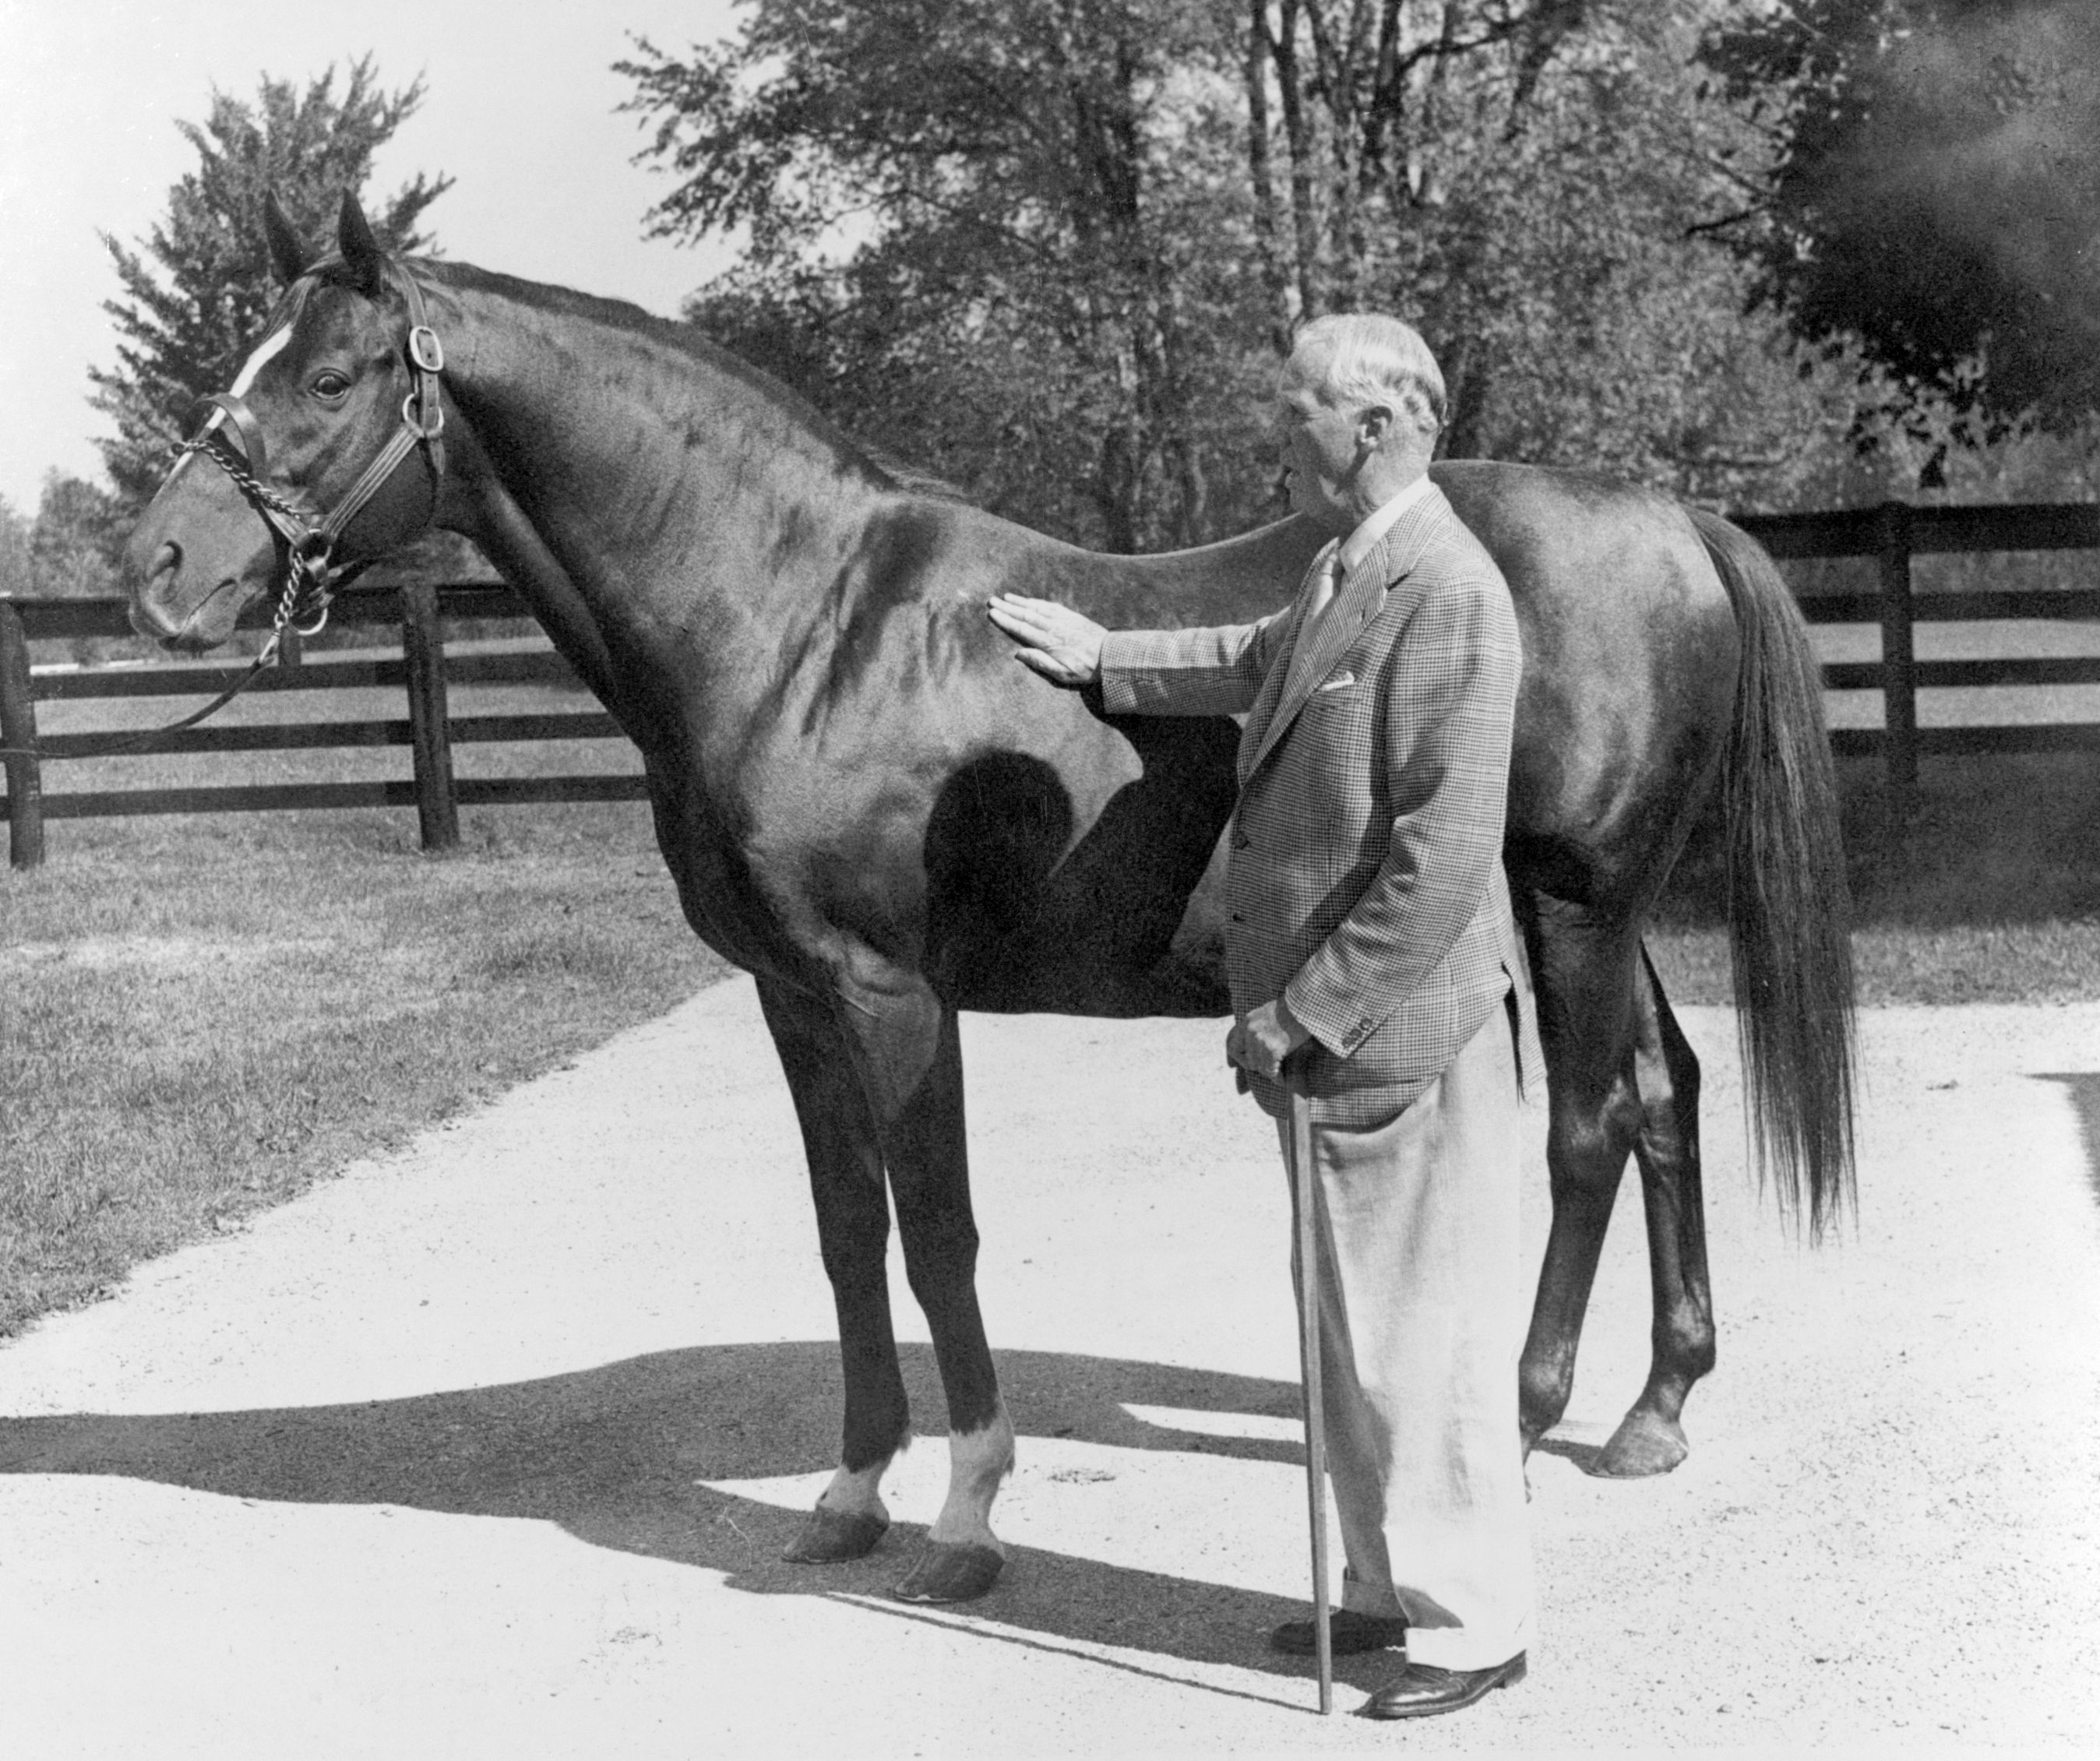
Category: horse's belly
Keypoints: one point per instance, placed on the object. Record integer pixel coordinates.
(1074, 887)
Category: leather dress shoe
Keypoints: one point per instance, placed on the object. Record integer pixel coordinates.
(1422, 1690)
(1348, 1634)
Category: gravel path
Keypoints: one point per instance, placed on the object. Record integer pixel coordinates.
(487, 1449)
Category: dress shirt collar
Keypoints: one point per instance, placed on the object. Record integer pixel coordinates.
(1363, 539)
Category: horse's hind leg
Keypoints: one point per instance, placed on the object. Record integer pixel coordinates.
(839, 1137)
(1650, 1439)
(1585, 974)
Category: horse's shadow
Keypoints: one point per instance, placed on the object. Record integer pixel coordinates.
(614, 1455)
(2083, 1090)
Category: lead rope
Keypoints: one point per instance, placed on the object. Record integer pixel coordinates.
(265, 658)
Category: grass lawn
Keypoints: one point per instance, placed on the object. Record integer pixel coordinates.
(1991, 894)
(203, 1016)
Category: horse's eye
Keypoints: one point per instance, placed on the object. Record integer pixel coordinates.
(330, 384)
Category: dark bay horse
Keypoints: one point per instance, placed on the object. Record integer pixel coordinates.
(869, 806)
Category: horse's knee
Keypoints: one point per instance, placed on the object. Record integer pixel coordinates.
(1587, 1143)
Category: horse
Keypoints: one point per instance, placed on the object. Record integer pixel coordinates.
(867, 805)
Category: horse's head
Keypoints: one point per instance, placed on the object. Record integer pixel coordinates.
(323, 455)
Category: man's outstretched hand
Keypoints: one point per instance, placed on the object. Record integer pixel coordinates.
(1056, 641)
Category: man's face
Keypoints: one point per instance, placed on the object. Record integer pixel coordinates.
(1320, 447)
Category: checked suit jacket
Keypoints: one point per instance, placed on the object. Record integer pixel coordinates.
(1364, 874)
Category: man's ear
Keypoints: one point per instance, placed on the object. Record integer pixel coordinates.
(1374, 424)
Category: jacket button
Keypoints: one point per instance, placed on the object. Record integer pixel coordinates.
(1237, 918)
(1240, 840)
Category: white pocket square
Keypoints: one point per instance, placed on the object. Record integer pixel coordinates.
(1339, 682)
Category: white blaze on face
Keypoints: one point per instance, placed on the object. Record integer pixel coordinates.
(271, 347)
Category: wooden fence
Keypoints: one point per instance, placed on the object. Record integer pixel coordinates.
(429, 729)
(1892, 534)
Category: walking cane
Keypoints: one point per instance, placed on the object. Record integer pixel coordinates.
(1308, 1361)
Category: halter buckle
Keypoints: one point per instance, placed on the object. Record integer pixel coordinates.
(425, 350)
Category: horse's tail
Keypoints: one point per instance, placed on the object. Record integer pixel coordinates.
(1788, 911)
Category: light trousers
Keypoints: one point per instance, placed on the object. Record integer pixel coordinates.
(1421, 1324)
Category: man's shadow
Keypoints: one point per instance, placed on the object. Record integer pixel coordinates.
(613, 1455)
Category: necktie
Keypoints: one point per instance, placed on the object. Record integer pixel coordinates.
(1325, 584)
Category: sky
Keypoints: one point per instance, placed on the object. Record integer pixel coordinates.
(520, 108)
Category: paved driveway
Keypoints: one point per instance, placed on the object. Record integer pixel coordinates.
(487, 1449)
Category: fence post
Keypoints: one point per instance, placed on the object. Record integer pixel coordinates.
(18, 732)
(1899, 664)
(423, 653)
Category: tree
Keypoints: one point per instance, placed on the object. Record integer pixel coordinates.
(1529, 187)
(75, 541)
(17, 572)
(1934, 191)
(1000, 232)
(1054, 251)
(197, 289)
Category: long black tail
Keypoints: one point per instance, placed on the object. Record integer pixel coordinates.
(1788, 911)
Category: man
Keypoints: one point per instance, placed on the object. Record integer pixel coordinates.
(1370, 942)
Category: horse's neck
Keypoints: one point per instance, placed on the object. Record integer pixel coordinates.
(657, 508)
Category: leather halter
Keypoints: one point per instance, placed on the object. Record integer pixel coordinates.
(312, 576)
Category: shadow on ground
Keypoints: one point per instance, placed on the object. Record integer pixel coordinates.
(611, 1455)
(2084, 1091)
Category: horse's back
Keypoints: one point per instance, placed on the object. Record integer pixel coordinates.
(1629, 676)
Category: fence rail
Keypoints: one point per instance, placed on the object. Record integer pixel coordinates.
(423, 673)
(1893, 534)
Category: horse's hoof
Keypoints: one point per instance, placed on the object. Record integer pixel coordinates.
(1641, 1445)
(950, 1571)
(830, 1536)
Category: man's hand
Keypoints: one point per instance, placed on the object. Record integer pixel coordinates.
(1065, 647)
(1263, 1038)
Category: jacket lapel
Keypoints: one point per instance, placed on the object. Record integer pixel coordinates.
(1361, 598)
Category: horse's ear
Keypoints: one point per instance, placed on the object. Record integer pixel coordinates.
(360, 250)
(287, 251)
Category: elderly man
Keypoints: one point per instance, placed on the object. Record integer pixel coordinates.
(1370, 942)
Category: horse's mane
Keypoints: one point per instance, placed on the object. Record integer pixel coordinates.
(619, 314)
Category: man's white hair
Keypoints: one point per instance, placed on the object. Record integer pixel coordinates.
(1360, 357)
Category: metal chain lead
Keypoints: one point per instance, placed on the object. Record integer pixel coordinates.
(307, 590)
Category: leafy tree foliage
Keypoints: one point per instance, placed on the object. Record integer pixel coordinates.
(1053, 249)
(197, 289)
(17, 573)
(1518, 181)
(999, 235)
(1934, 190)
(70, 547)
(1527, 186)
(77, 540)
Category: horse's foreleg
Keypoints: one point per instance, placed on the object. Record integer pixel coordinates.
(1586, 1009)
(839, 1137)
(929, 1177)
(1650, 1439)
